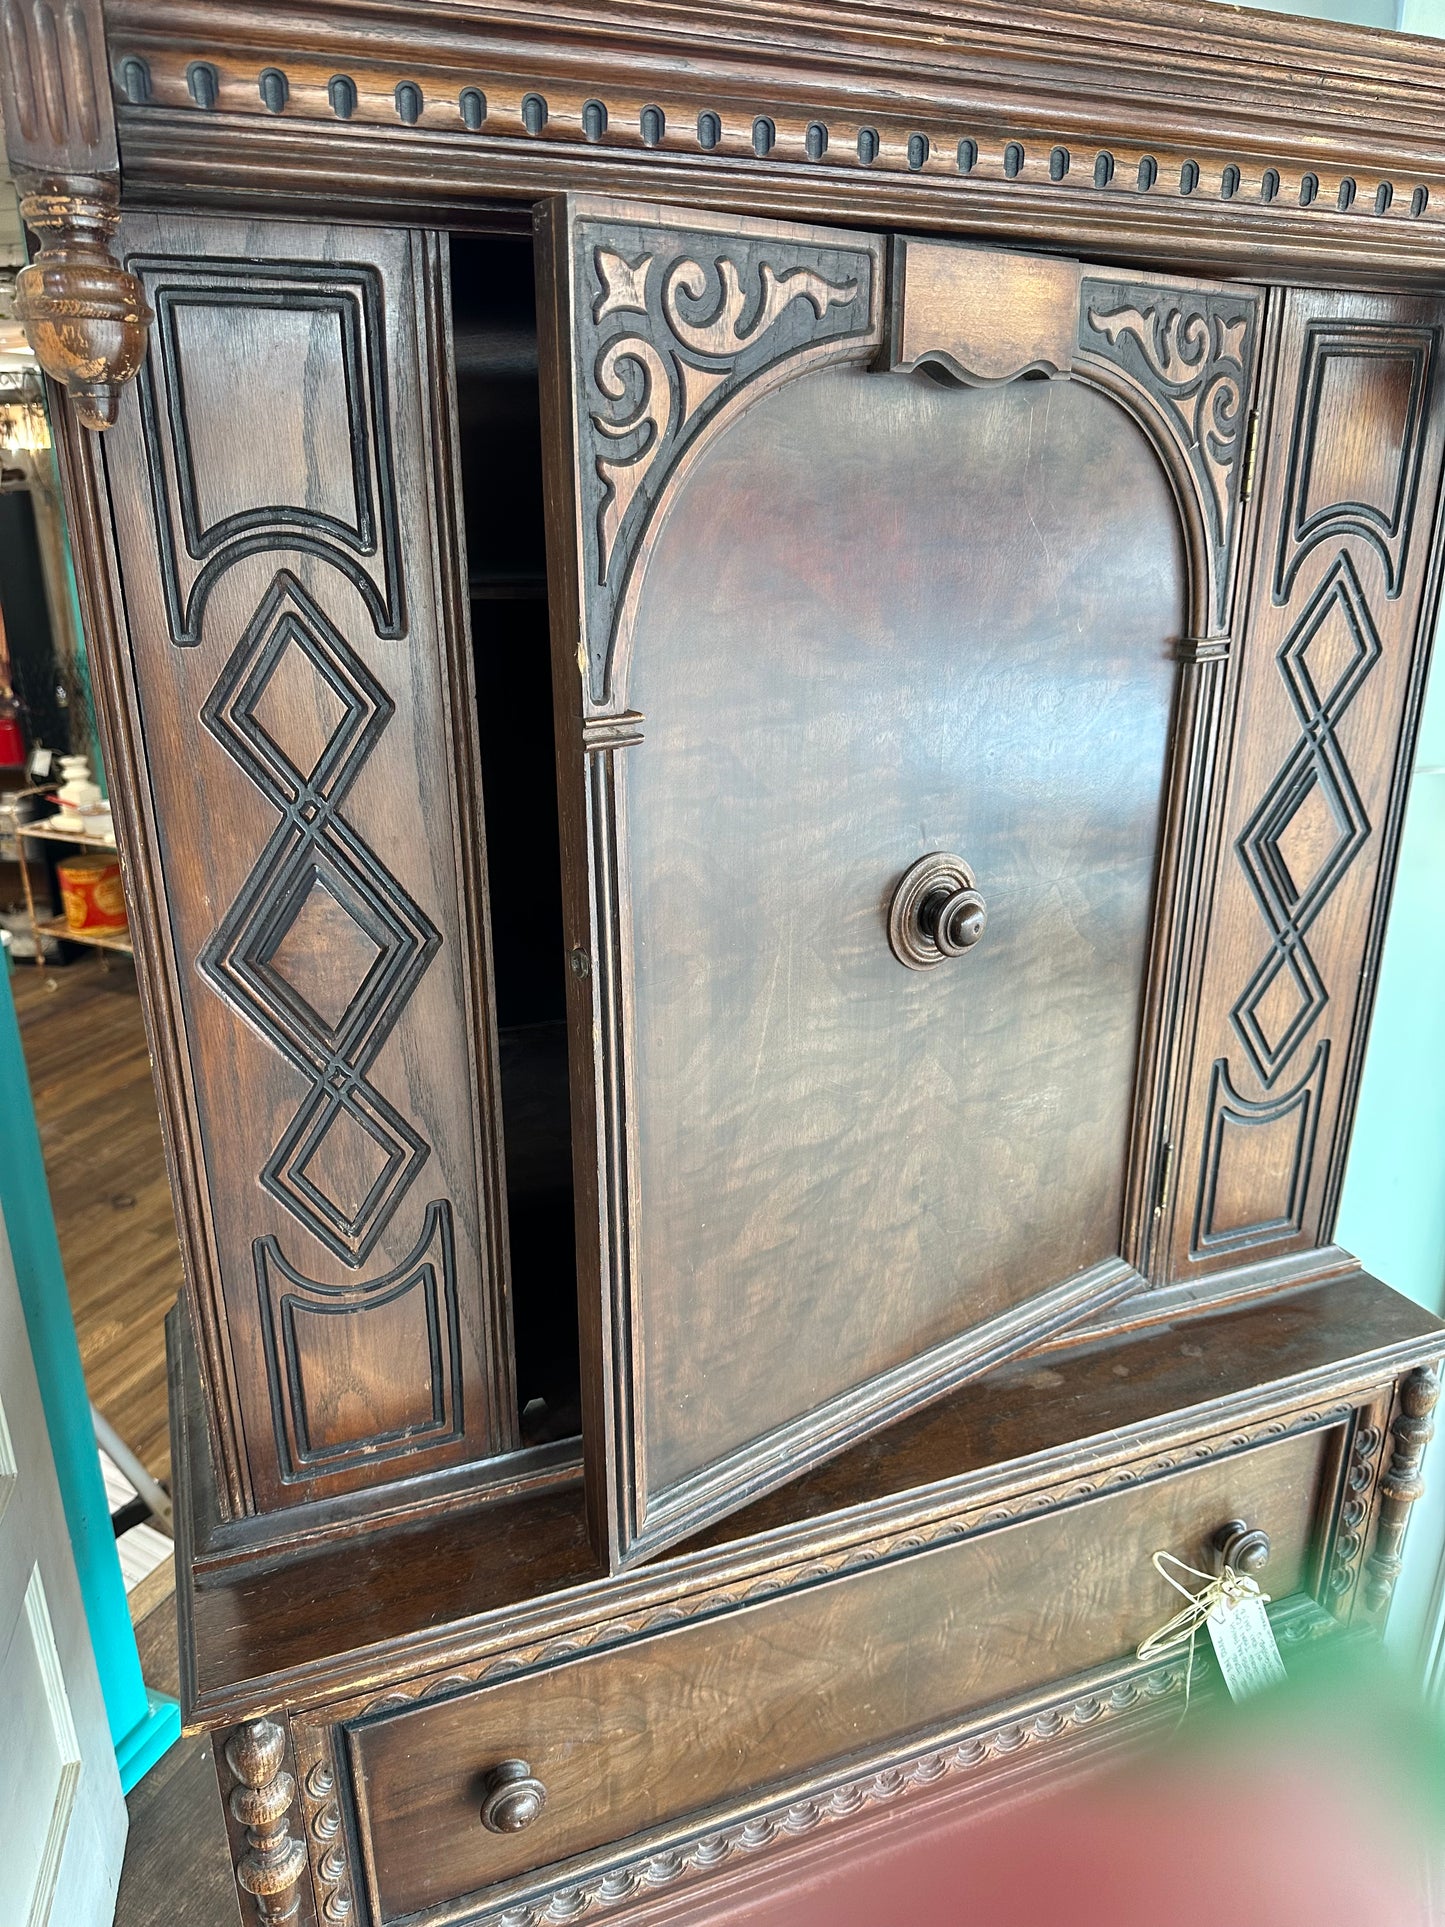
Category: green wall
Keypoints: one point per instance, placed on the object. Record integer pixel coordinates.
(1392, 1213)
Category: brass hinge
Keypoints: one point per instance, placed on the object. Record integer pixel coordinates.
(1166, 1178)
(1251, 455)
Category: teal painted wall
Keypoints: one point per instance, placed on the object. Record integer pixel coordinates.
(1410, 16)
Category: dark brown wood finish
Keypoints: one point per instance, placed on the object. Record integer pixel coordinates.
(422, 1601)
(1238, 144)
(786, 702)
(296, 646)
(1332, 669)
(86, 318)
(259, 1792)
(771, 1695)
(1099, 590)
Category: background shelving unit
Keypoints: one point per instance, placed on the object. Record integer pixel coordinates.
(57, 927)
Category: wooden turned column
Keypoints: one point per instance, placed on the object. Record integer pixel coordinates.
(1412, 1429)
(270, 1869)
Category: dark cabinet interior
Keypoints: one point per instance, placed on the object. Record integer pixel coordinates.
(499, 441)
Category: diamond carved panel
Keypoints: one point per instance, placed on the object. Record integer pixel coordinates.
(322, 953)
(323, 948)
(1311, 824)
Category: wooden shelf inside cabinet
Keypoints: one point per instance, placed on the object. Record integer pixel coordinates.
(520, 588)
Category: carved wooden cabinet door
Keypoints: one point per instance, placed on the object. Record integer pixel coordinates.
(887, 603)
(294, 695)
(1332, 664)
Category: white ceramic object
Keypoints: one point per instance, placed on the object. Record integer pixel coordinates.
(78, 795)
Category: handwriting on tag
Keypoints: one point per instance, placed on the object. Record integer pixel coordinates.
(1244, 1645)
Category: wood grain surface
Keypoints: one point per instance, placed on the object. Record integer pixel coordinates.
(994, 120)
(868, 632)
(298, 649)
(623, 1741)
(415, 1598)
(1332, 655)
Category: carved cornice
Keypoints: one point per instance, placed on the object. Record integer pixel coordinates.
(1319, 145)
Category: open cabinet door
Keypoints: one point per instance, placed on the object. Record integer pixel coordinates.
(867, 653)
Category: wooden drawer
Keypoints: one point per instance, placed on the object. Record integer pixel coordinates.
(773, 1696)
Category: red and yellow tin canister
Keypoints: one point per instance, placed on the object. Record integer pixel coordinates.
(91, 894)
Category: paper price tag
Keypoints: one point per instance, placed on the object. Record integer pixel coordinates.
(1244, 1645)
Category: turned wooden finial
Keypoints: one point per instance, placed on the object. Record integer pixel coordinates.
(83, 314)
(1411, 1430)
(261, 1800)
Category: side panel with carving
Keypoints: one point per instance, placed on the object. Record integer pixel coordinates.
(1328, 688)
(280, 490)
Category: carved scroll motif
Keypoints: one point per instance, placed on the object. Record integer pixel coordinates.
(1193, 350)
(673, 327)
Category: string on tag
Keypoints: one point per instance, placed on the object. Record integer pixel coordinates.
(1226, 1587)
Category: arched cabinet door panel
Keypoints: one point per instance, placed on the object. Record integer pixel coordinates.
(876, 584)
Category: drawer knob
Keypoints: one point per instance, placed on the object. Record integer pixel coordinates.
(937, 911)
(511, 1797)
(955, 921)
(1241, 1547)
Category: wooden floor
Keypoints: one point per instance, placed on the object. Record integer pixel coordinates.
(95, 1103)
(177, 1870)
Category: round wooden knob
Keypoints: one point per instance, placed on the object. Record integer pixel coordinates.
(1241, 1547)
(512, 1798)
(957, 921)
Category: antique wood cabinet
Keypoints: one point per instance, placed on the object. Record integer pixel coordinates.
(760, 667)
